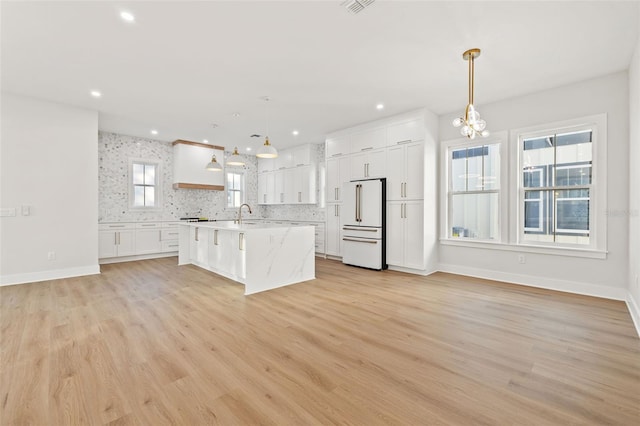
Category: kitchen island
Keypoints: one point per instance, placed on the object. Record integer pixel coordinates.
(260, 256)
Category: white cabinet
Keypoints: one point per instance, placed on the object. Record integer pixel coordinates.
(284, 160)
(368, 164)
(301, 155)
(170, 235)
(337, 174)
(334, 147)
(405, 234)
(266, 188)
(266, 165)
(300, 185)
(226, 253)
(116, 239)
(148, 238)
(368, 140)
(189, 162)
(405, 175)
(333, 243)
(320, 231)
(406, 131)
(279, 186)
(199, 245)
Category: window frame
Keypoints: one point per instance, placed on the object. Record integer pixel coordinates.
(597, 188)
(157, 193)
(243, 190)
(446, 192)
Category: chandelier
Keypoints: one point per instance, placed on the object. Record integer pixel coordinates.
(472, 124)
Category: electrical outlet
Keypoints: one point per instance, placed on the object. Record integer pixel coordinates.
(51, 255)
(521, 258)
(26, 210)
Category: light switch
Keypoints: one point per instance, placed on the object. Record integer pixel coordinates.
(8, 212)
(26, 210)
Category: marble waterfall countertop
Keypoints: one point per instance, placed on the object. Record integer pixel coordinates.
(262, 256)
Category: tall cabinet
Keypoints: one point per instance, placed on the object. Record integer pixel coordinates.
(391, 148)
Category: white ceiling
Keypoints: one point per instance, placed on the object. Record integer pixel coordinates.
(185, 65)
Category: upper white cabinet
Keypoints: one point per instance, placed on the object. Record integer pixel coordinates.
(290, 178)
(189, 162)
(405, 176)
(266, 165)
(337, 174)
(404, 132)
(337, 146)
(368, 140)
(369, 164)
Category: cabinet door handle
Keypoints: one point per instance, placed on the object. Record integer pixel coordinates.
(367, 148)
(241, 241)
(197, 235)
(299, 197)
(115, 238)
(159, 235)
(215, 236)
(404, 141)
(338, 190)
(265, 198)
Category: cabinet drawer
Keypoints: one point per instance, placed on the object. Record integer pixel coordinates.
(116, 226)
(149, 225)
(169, 234)
(171, 224)
(320, 247)
(168, 246)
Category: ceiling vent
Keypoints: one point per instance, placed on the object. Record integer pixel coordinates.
(356, 6)
(255, 136)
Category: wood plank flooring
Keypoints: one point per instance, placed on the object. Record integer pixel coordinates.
(151, 343)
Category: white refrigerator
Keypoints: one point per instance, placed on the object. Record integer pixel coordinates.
(364, 221)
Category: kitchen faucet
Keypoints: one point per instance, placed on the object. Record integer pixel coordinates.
(240, 212)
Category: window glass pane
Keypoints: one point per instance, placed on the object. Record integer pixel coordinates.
(572, 210)
(230, 180)
(538, 143)
(492, 167)
(459, 170)
(532, 177)
(583, 136)
(138, 196)
(138, 174)
(534, 211)
(475, 216)
(149, 196)
(149, 174)
(474, 171)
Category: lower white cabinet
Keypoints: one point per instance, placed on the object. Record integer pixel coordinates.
(333, 243)
(199, 245)
(226, 252)
(405, 234)
(117, 239)
(132, 239)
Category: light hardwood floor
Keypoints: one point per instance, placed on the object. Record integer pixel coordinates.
(152, 343)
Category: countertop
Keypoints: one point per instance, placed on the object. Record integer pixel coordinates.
(241, 227)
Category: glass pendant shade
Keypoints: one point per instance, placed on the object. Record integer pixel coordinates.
(213, 165)
(234, 159)
(267, 150)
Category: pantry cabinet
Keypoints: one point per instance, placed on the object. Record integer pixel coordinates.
(335, 147)
(405, 228)
(368, 140)
(406, 131)
(337, 174)
(405, 179)
(368, 164)
(333, 241)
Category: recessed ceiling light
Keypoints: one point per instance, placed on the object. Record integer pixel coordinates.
(380, 107)
(154, 132)
(205, 140)
(95, 94)
(295, 133)
(127, 16)
(248, 148)
(236, 114)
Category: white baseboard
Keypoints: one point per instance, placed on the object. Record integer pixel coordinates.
(411, 270)
(606, 292)
(54, 274)
(634, 310)
(107, 260)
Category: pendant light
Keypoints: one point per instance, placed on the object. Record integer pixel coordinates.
(213, 165)
(234, 159)
(267, 150)
(472, 124)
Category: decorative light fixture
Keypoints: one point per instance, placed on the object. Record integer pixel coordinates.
(472, 124)
(213, 165)
(234, 159)
(267, 150)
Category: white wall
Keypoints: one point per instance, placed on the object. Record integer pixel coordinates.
(49, 161)
(600, 277)
(634, 186)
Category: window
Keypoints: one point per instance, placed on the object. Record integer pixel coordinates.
(144, 186)
(235, 189)
(473, 201)
(556, 184)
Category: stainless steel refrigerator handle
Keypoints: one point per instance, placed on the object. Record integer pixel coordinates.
(358, 207)
(361, 241)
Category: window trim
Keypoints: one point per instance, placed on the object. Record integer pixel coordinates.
(157, 186)
(227, 189)
(598, 186)
(446, 194)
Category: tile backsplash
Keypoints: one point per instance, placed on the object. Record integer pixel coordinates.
(116, 150)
